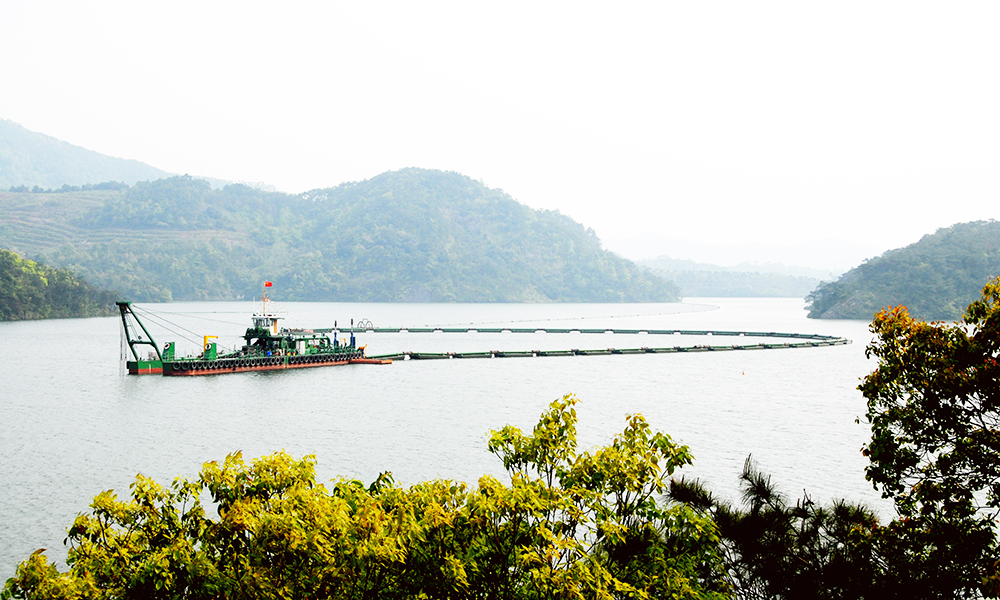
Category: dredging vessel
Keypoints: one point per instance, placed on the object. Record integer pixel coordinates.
(266, 348)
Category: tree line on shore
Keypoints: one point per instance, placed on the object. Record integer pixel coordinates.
(65, 188)
(614, 522)
(29, 290)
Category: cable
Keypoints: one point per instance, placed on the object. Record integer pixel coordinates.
(191, 314)
(165, 324)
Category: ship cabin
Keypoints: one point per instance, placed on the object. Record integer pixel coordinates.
(265, 339)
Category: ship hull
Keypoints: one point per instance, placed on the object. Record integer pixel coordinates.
(243, 365)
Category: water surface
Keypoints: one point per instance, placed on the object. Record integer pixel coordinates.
(72, 426)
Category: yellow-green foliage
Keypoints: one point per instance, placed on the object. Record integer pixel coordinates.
(568, 525)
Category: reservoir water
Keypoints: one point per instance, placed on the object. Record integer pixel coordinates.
(71, 425)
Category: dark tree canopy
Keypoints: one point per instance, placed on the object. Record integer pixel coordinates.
(774, 549)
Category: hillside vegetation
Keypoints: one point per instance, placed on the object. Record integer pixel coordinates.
(33, 159)
(29, 290)
(934, 278)
(411, 235)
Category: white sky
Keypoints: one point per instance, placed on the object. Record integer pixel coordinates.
(721, 122)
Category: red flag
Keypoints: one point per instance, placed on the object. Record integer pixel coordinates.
(267, 284)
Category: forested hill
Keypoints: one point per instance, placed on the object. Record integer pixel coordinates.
(32, 159)
(411, 235)
(935, 278)
(29, 290)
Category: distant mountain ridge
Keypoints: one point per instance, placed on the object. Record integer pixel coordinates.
(411, 235)
(823, 259)
(935, 278)
(666, 263)
(33, 159)
(746, 280)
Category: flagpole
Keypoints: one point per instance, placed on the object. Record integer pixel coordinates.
(267, 284)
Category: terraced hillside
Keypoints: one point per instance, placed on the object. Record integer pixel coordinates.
(142, 264)
(412, 235)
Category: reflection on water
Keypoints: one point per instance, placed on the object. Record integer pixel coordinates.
(72, 426)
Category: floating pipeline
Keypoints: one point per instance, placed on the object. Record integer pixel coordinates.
(269, 348)
(601, 330)
(809, 340)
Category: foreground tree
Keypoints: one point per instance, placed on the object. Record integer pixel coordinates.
(569, 525)
(934, 408)
(773, 549)
(599, 527)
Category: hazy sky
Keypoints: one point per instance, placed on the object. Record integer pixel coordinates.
(723, 122)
